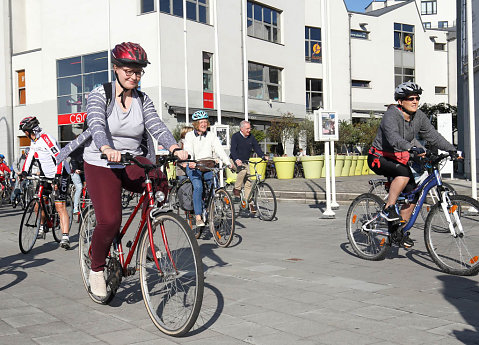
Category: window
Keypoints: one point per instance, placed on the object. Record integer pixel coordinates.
(440, 90)
(404, 37)
(21, 87)
(360, 83)
(312, 44)
(402, 75)
(76, 77)
(360, 34)
(427, 25)
(207, 72)
(196, 10)
(442, 24)
(147, 6)
(440, 46)
(429, 7)
(263, 22)
(264, 82)
(314, 94)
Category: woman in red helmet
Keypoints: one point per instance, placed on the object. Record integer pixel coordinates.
(126, 124)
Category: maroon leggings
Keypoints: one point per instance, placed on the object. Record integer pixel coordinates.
(104, 187)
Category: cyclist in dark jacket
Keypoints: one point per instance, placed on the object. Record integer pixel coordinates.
(395, 140)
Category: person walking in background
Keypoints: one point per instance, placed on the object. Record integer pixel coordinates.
(242, 143)
(77, 173)
(180, 169)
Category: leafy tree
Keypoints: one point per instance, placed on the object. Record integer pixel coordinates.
(258, 134)
(282, 129)
(431, 110)
(312, 147)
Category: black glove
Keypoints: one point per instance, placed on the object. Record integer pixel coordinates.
(453, 154)
(58, 179)
(417, 150)
(23, 174)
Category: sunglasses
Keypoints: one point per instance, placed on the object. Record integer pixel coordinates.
(410, 99)
(130, 72)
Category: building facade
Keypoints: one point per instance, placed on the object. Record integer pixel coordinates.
(236, 59)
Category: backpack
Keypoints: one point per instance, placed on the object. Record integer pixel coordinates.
(184, 196)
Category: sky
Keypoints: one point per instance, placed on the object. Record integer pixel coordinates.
(357, 5)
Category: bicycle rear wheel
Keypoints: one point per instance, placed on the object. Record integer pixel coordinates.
(222, 218)
(458, 254)
(57, 231)
(29, 226)
(265, 201)
(84, 250)
(379, 188)
(361, 220)
(173, 295)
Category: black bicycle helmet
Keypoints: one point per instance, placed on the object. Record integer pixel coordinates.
(129, 54)
(29, 123)
(407, 89)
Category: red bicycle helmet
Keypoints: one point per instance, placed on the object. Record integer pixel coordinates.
(128, 53)
(29, 123)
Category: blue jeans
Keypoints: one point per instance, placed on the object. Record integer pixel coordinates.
(196, 177)
(78, 187)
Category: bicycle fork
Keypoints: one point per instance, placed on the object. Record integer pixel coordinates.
(449, 209)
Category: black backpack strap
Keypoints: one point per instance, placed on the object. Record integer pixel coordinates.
(108, 87)
(142, 97)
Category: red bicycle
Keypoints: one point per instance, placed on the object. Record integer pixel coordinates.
(168, 259)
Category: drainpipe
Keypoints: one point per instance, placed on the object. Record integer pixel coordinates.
(217, 66)
(244, 19)
(160, 100)
(350, 72)
(185, 35)
(11, 132)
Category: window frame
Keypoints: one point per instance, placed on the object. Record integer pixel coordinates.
(265, 84)
(209, 72)
(310, 93)
(427, 25)
(429, 7)
(443, 88)
(404, 76)
(362, 84)
(442, 24)
(400, 32)
(21, 87)
(175, 8)
(253, 9)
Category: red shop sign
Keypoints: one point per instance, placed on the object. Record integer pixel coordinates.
(208, 100)
(67, 119)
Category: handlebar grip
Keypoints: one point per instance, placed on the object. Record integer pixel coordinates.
(103, 156)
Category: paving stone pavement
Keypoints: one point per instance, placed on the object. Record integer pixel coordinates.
(294, 280)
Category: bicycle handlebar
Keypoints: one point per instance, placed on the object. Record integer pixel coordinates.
(128, 158)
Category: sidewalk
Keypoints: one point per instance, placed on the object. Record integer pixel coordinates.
(347, 188)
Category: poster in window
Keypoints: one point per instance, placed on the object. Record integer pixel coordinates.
(326, 125)
(223, 134)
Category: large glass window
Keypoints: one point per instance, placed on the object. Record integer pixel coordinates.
(196, 10)
(404, 37)
(76, 77)
(264, 82)
(442, 24)
(313, 49)
(429, 7)
(207, 72)
(402, 75)
(22, 91)
(263, 22)
(314, 94)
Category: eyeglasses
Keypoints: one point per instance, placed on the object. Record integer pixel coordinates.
(129, 72)
(414, 98)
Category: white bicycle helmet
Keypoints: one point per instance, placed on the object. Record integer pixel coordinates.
(407, 89)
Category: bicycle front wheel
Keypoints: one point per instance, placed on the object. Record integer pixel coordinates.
(457, 254)
(222, 218)
(362, 222)
(265, 201)
(29, 226)
(173, 295)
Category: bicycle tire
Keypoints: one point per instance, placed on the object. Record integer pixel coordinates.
(379, 189)
(173, 298)
(454, 255)
(84, 248)
(265, 201)
(426, 208)
(57, 231)
(367, 245)
(29, 226)
(222, 218)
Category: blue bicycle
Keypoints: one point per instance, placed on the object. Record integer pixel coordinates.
(451, 231)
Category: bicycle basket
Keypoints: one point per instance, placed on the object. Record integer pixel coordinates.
(185, 196)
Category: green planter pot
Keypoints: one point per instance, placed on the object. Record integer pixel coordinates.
(312, 166)
(365, 167)
(354, 163)
(359, 166)
(347, 165)
(284, 167)
(171, 171)
(261, 168)
(230, 176)
(338, 164)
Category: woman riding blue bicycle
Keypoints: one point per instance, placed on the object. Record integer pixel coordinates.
(202, 145)
(395, 140)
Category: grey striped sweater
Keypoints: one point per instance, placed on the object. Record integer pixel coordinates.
(97, 115)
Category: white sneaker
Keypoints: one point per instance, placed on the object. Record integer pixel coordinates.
(97, 284)
(41, 232)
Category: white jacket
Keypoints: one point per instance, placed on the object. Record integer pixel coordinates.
(206, 146)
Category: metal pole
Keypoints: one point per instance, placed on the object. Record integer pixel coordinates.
(187, 107)
(160, 100)
(109, 41)
(328, 213)
(245, 59)
(470, 82)
(10, 142)
(217, 65)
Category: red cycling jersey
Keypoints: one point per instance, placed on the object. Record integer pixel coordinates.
(3, 169)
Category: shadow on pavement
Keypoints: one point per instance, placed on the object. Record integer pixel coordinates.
(209, 313)
(462, 293)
